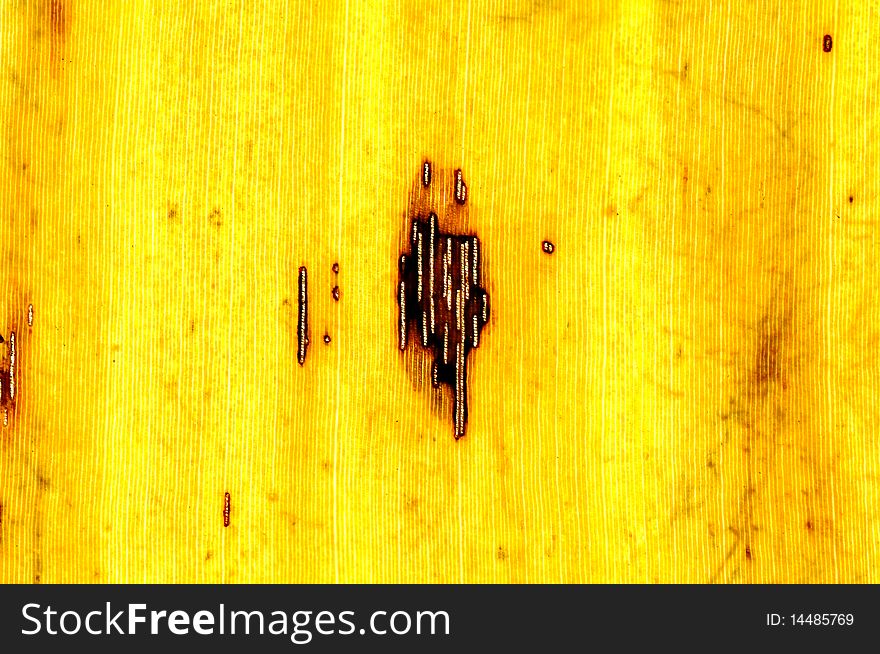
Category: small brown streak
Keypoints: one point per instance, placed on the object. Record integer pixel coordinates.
(12, 366)
(335, 293)
(302, 326)
(30, 315)
(227, 509)
(426, 174)
(460, 188)
(7, 380)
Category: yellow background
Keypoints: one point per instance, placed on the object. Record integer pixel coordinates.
(683, 392)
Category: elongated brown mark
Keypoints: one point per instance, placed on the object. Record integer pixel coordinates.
(827, 43)
(335, 293)
(440, 298)
(7, 379)
(227, 508)
(460, 188)
(426, 174)
(302, 325)
(58, 22)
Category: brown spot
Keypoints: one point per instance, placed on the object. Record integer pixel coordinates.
(326, 339)
(809, 525)
(501, 554)
(850, 199)
(411, 503)
(209, 555)
(335, 268)
(335, 293)
(548, 247)
(172, 212)
(826, 43)
(748, 552)
(215, 217)
(227, 509)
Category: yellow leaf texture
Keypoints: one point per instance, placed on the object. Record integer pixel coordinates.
(682, 391)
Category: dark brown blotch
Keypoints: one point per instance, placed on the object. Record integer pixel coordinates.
(441, 299)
